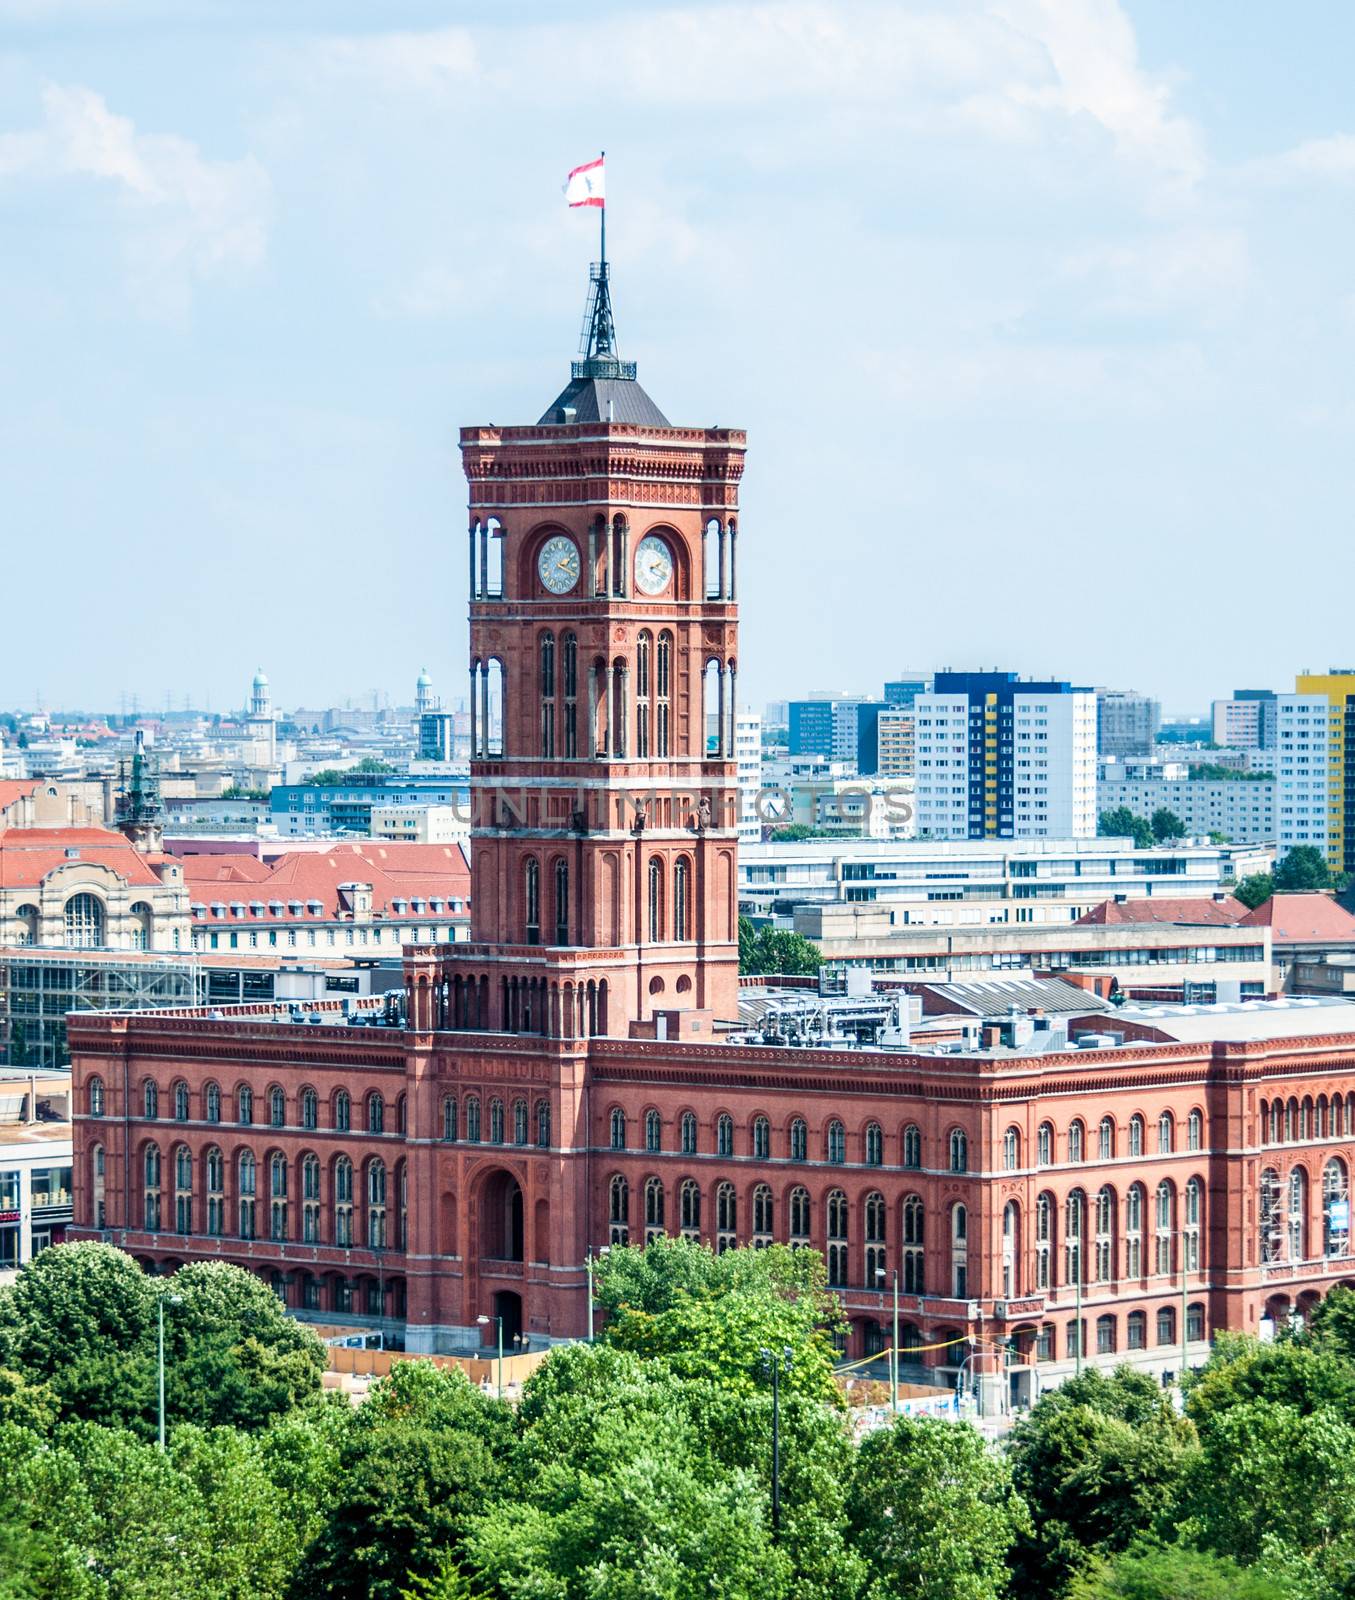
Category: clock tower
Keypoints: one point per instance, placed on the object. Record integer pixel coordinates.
(603, 643)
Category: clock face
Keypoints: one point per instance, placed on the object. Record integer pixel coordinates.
(653, 565)
(558, 564)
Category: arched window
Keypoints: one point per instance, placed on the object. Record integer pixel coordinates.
(663, 678)
(1076, 1142)
(519, 1122)
(376, 1113)
(569, 650)
(726, 1218)
(1166, 1325)
(277, 1196)
(762, 1138)
(1105, 1335)
(310, 1199)
(1044, 1145)
(343, 1201)
(183, 1190)
(837, 1239)
(1105, 1139)
(912, 1147)
(914, 1217)
(681, 900)
(1166, 1129)
(343, 1111)
(376, 1204)
(531, 900)
(1074, 1230)
(837, 1143)
(654, 1206)
(799, 1216)
(473, 1119)
(213, 1099)
(248, 1184)
(1291, 1120)
(1011, 1149)
(84, 922)
(690, 1196)
(449, 1122)
(1195, 1131)
(799, 1140)
(959, 1150)
(216, 1192)
(653, 1132)
(1044, 1241)
(655, 900)
(688, 1133)
(763, 1233)
(561, 901)
(959, 1252)
(95, 1093)
(875, 1240)
(150, 1172)
(1335, 1209)
(543, 1124)
(1136, 1330)
(546, 656)
(1298, 1215)
(277, 1107)
(724, 1135)
(618, 1214)
(1271, 1217)
(1190, 1232)
(496, 1121)
(1133, 1231)
(150, 1099)
(1164, 1221)
(310, 1109)
(1103, 1264)
(618, 1128)
(1011, 1249)
(181, 1101)
(244, 1105)
(1136, 1135)
(28, 919)
(875, 1145)
(643, 647)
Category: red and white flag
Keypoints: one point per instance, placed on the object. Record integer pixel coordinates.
(586, 185)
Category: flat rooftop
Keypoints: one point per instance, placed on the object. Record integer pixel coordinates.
(1292, 1017)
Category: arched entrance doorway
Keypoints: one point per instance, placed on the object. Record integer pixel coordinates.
(508, 1305)
(501, 1232)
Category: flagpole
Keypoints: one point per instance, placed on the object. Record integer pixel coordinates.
(603, 209)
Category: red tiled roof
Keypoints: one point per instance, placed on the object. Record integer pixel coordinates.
(27, 855)
(1311, 917)
(1225, 913)
(396, 872)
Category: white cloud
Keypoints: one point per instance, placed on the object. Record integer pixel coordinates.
(1332, 157)
(1203, 271)
(185, 217)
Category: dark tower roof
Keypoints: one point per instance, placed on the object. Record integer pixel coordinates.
(602, 387)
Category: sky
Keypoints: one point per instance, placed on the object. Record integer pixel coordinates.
(1040, 315)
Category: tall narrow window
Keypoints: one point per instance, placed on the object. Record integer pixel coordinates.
(912, 1146)
(1104, 1262)
(875, 1240)
(1165, 1221)
(310, 1108)
(662, 690)
(561, 901)
(799, 1140)
(1165, 1131)
(837, 1143)
(653, 1132)
(726, 1218)
(1011, 1150)
(543, 1124)
(1136, 1135)
(216, 1193)
(1105, 1144)
(875, 1145)
(1011, 1249)
(277, 1196)
(150, 1099)
(1044, 1145)
(689, 1133)
(618, 1128)
(248, 1177)
(837, 1239)
(183, 1190)
(547, 662)
(473, 1119)
(343, 1201)
(376, 1113)
(343, 1111)
(1076, 1141)
(181, 1101)
(310, 1199)
(724, 1136)
(763, 1231)
(96, 1096)
(619, 1212)
(519, 1122)
(799, 1216)
(1074, 1219)
(1044, 1240)
(244, 1105)
(531, 899)
(214, 1102)
(1298, 1214)
(914, 1216)
(1133, 1232)
(643, 646)
(959, 1151)
(376, 1204)
(959, 1252)
(496, 1121)
(691, 1209)
(1335, 1208)
(277, 1107)
(569, 649)
(1195, 1131)
(681, 900)
(1190, 1231)
(654, 1207)
(655, 900)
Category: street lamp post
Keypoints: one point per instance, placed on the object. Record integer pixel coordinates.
(588, 1265)
(894, 1345)
(776, 1364)
(484, 1323)
(174, 1300)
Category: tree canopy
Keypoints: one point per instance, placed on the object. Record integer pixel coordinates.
(776, 952)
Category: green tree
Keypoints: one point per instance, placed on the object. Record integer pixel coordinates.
(425, 1455)
(1306, 1374)
(1098, 1462)
(1122, 823)
(747, 945)
(933, 1513)
(1176, 1572)
(776, 952)
(1166, 825)
(1254, 890)
(1302, 867)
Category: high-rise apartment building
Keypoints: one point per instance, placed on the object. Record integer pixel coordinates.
(1001, 758)
(748, 771)
(1126, 722)
(903, 691)
(894, 736)
(1248, 721)
(1337, 689)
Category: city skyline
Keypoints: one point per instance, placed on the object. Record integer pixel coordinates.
(1085, 320)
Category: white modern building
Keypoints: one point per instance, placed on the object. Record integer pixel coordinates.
(998, 757)
(1302, 756)
(748, 771)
